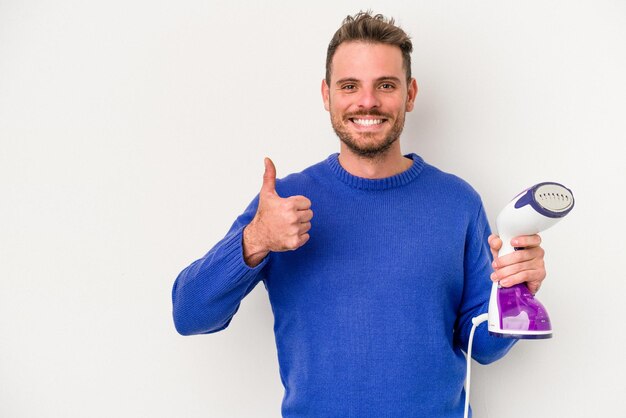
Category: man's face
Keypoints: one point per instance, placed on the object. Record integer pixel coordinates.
(368, 96)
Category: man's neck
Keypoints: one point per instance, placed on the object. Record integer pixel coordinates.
(381, 166)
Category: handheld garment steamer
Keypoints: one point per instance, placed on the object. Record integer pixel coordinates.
(513, 311)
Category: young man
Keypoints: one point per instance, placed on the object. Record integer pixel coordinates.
(373, 296)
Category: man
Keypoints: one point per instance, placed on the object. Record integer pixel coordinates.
(373, 297)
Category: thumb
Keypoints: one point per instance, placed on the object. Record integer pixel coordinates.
(495, 243)
(269, 177)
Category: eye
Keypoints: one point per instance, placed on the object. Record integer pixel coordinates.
(348, 87)
(387, 86)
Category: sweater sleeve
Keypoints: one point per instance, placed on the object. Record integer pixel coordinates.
(476, 291)
(208, 292)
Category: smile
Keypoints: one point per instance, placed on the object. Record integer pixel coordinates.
(367, 122)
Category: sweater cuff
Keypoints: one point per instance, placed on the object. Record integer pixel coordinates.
(233, 259)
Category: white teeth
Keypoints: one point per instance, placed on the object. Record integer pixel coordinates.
(367, 122)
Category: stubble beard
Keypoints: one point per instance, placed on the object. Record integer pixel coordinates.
(367, 149)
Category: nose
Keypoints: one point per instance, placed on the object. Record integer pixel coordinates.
(368, 99)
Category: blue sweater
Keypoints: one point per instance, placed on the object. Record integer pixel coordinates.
(373, 312)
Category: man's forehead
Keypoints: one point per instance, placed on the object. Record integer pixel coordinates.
(369, 60)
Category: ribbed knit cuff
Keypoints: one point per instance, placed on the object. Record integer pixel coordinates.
(232, 257)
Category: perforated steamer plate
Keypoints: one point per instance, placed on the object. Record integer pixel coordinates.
(554, 197)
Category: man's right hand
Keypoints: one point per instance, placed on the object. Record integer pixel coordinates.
(280, 224)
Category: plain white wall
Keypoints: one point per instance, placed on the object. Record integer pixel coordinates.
(133, 132)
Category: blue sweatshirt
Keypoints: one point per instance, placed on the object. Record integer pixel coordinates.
(373, 312)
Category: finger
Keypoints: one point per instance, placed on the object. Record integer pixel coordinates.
(505, 272)
(533, 287)
(526, 241)
(304, 227)
(297, 242)
(528, 276)
(303, 239)
(269, 177)
(518, 256)
(495, 243)
(300, 202)
(305, 215)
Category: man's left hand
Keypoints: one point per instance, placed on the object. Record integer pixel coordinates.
(525, 265)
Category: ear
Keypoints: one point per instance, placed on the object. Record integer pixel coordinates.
(326, 95)
(411, 93)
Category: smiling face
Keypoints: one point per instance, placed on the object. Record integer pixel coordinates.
(368, 97)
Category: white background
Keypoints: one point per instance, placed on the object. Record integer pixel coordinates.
(132, 133)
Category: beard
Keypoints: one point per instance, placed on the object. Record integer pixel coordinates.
(367, 147)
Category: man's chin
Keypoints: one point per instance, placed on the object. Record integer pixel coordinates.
(367, 144)
(369, 150)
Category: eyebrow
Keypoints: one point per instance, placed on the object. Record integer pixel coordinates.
(354, 80)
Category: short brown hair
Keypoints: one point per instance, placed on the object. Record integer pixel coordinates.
(375, 29)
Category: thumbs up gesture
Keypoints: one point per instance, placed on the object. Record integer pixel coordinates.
(280, 224)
